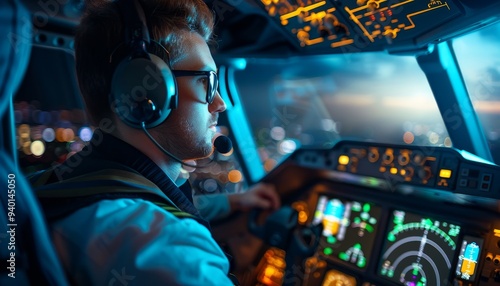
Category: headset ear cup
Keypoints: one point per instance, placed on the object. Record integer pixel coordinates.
(164, 87)
(142, 91)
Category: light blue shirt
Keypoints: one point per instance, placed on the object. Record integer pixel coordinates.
(134, 242)
(212, 207)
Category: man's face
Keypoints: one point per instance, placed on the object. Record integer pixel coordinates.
(189, 130)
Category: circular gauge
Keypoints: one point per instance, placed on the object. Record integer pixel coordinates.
(418, 250)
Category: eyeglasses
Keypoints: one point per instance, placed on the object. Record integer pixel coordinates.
(212, 80)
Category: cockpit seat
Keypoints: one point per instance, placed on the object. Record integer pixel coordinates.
(26, 253)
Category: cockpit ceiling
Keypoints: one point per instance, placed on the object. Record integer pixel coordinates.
(284, 28)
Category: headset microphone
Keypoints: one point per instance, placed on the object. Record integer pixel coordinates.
(222, 145)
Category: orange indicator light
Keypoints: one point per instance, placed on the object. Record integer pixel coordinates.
(445, 173)
(496, 232)
(343, 160)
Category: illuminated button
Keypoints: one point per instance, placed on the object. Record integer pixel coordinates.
(468, 267)
(327, 251)
(496, 232)
(403, 159)
(343, 160)
(489, 256)
(388, 157)
(302, 217)
(373, 155)
(445, 173)
(394, 171)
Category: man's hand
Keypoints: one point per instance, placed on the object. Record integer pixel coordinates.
(261, 195)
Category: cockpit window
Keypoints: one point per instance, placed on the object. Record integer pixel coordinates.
(478, 55)
(316, 101)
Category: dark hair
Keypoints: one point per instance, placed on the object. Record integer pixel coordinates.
(101, 31)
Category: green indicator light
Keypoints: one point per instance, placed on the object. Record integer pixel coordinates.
(357, 246)
(366, 207)
(383, 271)
(415, 271)
(454, 231)
(391, 237)
(357, 220)
(361, 262)
(365, 216)
(398, 217)
(423, 279)
(428, 222)
(369, 228)
(420, 283)
(331, 239)
(327, 251)
(373, 181)
(356, 207)
(343, 256)
(390, 273)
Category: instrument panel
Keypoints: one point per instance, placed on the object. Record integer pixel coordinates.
(383, 226)
(413, 248)
(356, 24)
(382, 242)
(440, 173)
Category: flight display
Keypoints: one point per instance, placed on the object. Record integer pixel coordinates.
(419, 250)
(468, 258)
(349, 229)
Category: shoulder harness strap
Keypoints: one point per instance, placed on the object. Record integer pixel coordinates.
(62, 198)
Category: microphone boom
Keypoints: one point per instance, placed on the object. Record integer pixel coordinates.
(222, 144)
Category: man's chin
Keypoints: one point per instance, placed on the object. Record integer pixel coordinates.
(203, 153)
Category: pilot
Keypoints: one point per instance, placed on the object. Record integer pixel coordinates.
(115, 212)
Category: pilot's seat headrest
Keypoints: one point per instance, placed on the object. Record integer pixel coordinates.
(25, 244)
(15, 48)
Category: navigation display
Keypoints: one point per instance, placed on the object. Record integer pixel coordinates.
(418, 250)
(349, 229)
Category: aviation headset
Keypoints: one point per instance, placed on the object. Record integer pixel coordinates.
(143, 88)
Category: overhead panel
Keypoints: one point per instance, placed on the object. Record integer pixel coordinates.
(355, 25)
